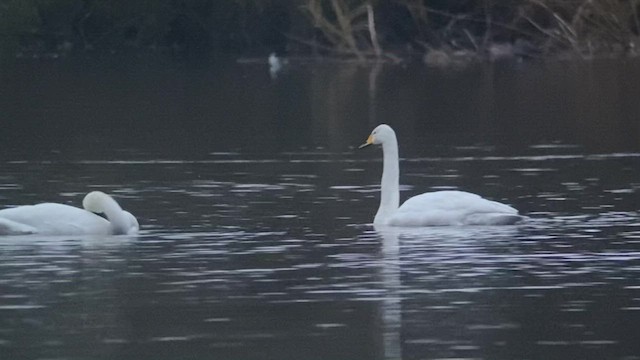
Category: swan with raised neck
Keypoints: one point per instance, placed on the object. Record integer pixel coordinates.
(450, 207)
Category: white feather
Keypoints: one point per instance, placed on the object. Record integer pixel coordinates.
(60, 219)
(430, 209)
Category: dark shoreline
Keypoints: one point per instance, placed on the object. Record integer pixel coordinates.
(437, 33)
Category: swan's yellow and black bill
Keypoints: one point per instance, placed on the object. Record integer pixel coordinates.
(369, 142)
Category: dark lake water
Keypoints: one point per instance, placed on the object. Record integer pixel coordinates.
(256, 211)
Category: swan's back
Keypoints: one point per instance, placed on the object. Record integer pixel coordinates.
(453, 208)
(51, 218)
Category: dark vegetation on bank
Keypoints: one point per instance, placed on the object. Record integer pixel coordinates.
(436, 31)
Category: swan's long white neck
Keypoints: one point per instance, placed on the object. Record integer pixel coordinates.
(389, 186)
(116, 216)
(99, 202)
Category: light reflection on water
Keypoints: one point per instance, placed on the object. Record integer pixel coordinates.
(255, 209)
(248, 263)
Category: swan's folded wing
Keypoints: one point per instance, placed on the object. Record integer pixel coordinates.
(493, 219)
(452, 200)
(453, 208)
(8, 227)
(56, 219)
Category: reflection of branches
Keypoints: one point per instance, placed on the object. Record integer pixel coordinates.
(341, 23)
(579, 24)
(565, 31)
(340, 32)
(469, 18)
(373, 91)
(459, 21)
(582, 25)
(372, 30)
(346, 27)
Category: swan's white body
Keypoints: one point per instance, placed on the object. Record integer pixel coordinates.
(60, 219)
(434, 208)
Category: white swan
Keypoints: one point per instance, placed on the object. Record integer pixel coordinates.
(276, 64)
(434, 208)
(60, 219)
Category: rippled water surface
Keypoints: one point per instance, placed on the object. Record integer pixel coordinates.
(256, 240)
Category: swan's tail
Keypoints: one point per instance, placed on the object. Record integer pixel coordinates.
(8, 227)
(494, 219)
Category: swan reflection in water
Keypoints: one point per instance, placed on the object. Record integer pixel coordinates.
(418, 249)
(390, 308)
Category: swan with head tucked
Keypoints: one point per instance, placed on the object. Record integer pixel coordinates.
(60, 219)
(449, 207)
